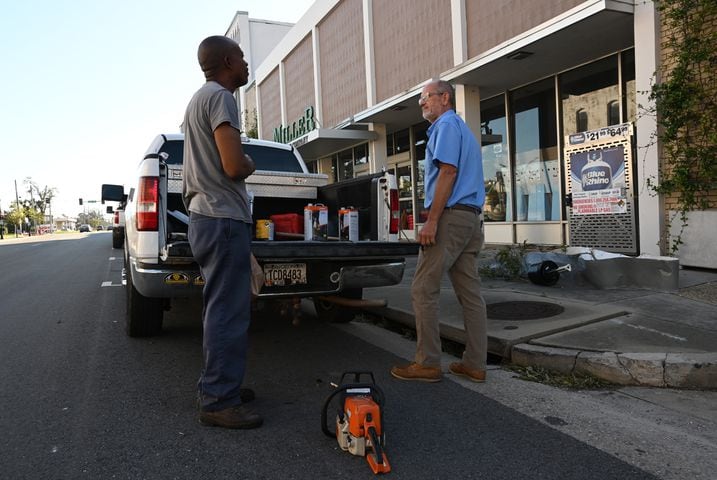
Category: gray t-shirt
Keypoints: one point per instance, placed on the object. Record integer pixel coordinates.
(206, 189)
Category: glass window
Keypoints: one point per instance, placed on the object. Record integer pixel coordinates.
(175, 150)
(267, 158)
(313, 167)
(401, 141)
(389, 144)
(581, 121)
(420, 135)
(537, 174)
(346, 164)
(613, 113)
(589, 89)
(496, 160)
(361, 154)
(629, 102)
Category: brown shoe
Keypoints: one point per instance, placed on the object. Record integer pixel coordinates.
(239, 416)
(418, 372)
(457, 368)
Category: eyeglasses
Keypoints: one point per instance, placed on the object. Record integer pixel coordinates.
(424, 98)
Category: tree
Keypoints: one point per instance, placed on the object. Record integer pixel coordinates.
(44, 195)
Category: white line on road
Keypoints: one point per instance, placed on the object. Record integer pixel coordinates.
(652, 330)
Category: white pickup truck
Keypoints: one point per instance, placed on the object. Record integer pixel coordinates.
(158, 260)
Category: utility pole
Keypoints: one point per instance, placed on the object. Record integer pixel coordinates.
(17, 205)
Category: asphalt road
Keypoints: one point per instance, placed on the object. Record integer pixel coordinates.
(80, 399)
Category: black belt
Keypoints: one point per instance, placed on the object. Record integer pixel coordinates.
(467, 208)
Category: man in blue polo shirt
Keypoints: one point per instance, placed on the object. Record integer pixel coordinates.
(450, 239)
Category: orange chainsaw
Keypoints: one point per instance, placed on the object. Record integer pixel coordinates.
(359, 423)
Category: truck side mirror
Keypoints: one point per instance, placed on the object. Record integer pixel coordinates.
(110, 209)
(114, 193)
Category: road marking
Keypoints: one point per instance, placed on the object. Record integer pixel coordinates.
(110, 284)
(652, 330)
(113, 258)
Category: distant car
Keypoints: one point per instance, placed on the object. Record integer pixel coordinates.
(85, 228)
(99, 227)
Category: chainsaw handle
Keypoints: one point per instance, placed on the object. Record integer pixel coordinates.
(324, 415)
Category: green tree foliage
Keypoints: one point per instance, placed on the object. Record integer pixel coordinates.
(686, 106)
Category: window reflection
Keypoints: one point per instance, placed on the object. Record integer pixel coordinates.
(537, 173)
(629, 102)
(496, 161)
(590, 91)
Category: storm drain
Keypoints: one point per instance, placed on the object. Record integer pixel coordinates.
(523, 310)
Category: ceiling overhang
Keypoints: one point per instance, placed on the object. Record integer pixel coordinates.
(579, 36)
(323, 142)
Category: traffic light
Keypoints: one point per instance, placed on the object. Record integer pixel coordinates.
(80, 201)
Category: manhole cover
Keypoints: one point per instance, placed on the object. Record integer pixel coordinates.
(523, 310)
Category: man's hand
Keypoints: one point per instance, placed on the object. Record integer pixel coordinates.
(427, 233)
(235, 163)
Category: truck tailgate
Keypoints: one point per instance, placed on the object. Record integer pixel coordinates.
(323, 268)
(288, 250)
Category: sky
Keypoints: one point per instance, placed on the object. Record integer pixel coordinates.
(85, 85)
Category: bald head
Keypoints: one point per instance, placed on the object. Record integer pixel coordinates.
(222, 60)
(212, 52)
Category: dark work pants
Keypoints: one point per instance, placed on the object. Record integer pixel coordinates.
(221, 246)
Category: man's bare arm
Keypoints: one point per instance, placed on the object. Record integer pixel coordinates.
(235, 163)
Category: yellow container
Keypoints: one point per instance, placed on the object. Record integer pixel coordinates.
(264, 230)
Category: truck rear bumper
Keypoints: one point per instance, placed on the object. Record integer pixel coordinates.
(344, 278)
(161, 282)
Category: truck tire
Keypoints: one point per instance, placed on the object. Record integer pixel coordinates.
(117, 238)
(144, 314)
(333, 313)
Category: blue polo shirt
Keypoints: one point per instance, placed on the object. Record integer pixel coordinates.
(451, 141)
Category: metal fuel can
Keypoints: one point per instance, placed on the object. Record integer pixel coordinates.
(348, 224)
(316, 222)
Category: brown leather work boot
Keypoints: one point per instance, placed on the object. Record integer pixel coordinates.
(417, 372)
(457, 368)
(239, 416)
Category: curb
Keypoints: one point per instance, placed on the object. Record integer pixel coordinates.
(671, 370)
(666, 370)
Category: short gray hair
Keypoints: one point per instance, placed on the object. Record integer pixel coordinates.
(442, 86)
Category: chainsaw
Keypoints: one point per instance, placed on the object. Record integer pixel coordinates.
(359, 423)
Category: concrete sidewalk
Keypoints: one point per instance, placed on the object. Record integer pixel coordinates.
(627, 336)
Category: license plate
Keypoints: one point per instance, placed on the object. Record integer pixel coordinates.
(283, 274)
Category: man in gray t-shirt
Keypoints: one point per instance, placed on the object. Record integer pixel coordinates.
(220, 231)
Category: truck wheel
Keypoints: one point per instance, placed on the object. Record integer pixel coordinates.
(144, 314)
(333, 313)
(117, 238)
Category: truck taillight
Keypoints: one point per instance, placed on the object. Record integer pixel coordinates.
(148, 204)
(116, 219)
(395, 216)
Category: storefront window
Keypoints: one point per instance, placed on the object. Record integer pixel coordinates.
(401, 141)
(590, 91)
(537, 173)
(496, 161)
(629, 102)
(361, 155)
(420, 136)
(343, 165)
(405, 196)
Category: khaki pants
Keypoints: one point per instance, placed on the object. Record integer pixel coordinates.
(459, 239)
